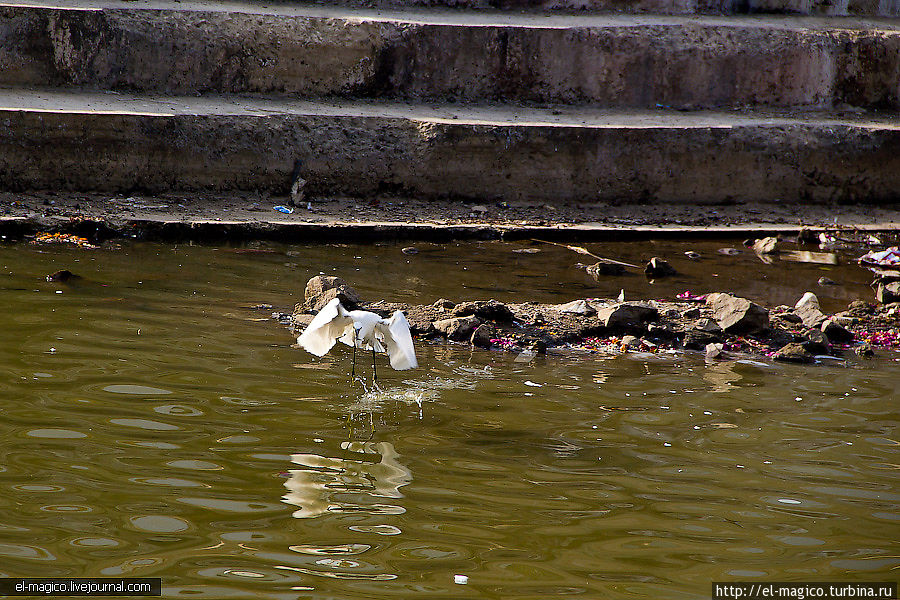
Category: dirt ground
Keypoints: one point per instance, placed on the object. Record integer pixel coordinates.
(54, 210)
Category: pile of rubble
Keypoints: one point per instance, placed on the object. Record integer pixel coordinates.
(717, 324)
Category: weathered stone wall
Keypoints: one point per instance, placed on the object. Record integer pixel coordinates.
(361, 156)
(683, 65)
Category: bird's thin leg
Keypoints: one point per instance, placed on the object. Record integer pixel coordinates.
(374, 370)
(353, 368)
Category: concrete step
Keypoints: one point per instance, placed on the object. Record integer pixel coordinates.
(310, 51)
(112, 142)
(885, 8)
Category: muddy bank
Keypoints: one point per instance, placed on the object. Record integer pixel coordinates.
(720, 325)
(238, 217)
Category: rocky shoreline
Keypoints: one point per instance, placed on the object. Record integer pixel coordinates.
(717, 324)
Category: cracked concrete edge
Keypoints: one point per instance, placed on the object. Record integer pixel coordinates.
(17, 228)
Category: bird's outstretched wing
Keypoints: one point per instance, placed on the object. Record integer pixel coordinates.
(399, 342)
(326, 327)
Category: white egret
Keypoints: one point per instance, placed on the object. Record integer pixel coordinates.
(360, 329)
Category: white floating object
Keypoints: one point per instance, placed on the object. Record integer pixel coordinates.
(461, 579)
(533, 384)
(525, 356)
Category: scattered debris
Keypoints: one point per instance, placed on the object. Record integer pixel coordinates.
(804, 256)
(719, 327)
(581, 250)
(283, 209)
(63, 238)
(766, 245)
(687, 295)
(864, 350)
(297, 185)
(409, 250)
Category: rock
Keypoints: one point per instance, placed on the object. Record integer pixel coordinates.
(693, 255)
(576, 307)
(490, 310)
(859, 308)
(794, 353)
(714, 351)
(321, 289)
(661, 333)
(823, 281)
(63, 276)
(788, 317)
(699, 340)
(708, 325)
(458, 329)
(844, 319)
(421, 327)
(630, 342)
(483, 335)
(836, 332)
(805, 236)
(691, 313)
(737, 315)
(807, 308)
(536, 345)
(864, 350)
(627, 316)
(602, 269)
(887, 292)
(816, 342)
(409, 250)
(657, 267)
(766, 245)
(443, 304)
(779, 337)
(302, 319)
(728, 251)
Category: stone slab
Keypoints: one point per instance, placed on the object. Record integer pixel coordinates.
(311, 51)
(122, 143)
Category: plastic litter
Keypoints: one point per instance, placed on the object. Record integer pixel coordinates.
(283, 209)
(883, 258)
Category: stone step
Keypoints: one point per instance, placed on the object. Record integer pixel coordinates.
(885, 8)
(625, 61)
(116, 142)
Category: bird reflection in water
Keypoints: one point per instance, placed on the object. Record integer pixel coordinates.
(721, 376)
(367, 469)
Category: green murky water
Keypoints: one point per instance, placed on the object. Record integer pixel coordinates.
(154, 425)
